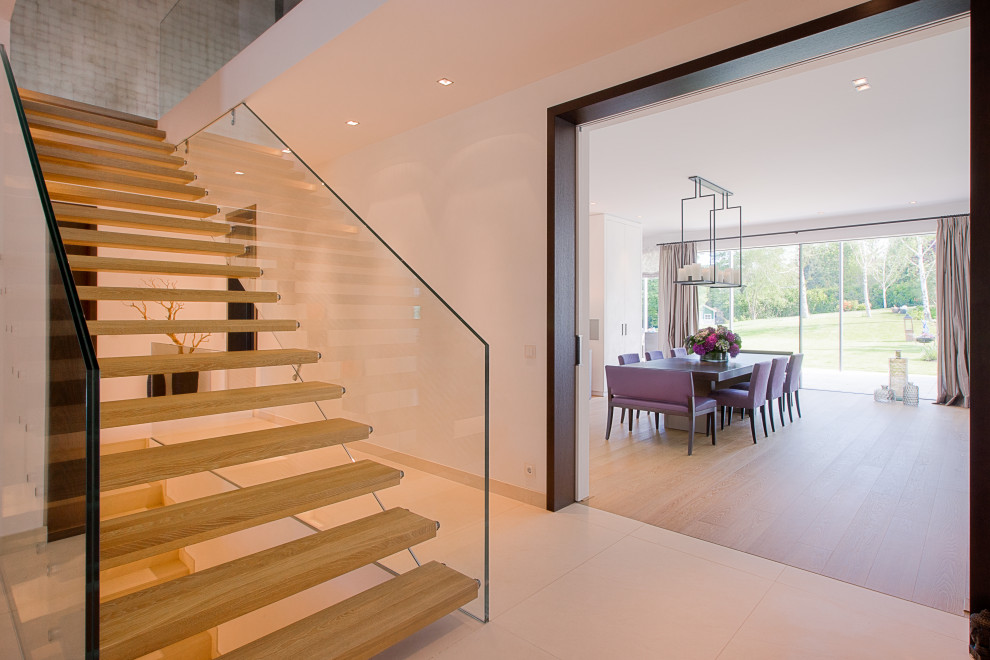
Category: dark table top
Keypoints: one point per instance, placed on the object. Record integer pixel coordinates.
(718, 372)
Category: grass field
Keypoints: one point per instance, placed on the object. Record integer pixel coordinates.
(868, 342)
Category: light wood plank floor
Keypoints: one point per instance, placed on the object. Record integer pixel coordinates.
(872, 494)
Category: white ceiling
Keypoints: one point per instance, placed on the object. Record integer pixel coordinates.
(382, 71)
(803, 144)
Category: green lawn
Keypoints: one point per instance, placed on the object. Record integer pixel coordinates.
(868, 342)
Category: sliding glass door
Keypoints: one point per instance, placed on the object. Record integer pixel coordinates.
(847, 305)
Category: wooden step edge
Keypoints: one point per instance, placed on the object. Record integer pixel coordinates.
(46, 124)
(87, 118)
(101, 238)
(70, 192)
(145, 365)
(371, 621)
(134, 183)
(71, 144)
(149, 533)
(181, 295)
(163, 614)
(86, 263)
(155, 327)
(126, 412)
(54, 152)
(49, 99)
(167, 462)
(94, 215)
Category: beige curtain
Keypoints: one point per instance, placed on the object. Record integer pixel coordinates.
(952, 303)
(678, 303)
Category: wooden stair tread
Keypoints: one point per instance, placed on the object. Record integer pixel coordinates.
(179, 406)
(79, 144)
(86, 118)
(155, 327)
(88, 176)
(43, 122)
(143, 365)
(183, 295)
(154, 532)
(54, 152)
(371, 621)
(157, 463)
(49, 99)
(160, 615)
(116, 265)
(100, 238)
(93, 215)
(70, 192)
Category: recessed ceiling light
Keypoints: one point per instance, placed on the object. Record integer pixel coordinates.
(353, 123)
(821, 213)
(860, 81)
(238, 172)
(912, 202)
(286, 151)
(639, 216)
(445, 82)
(593, 203)
(862, 88)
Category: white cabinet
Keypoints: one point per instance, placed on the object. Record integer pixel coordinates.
(616, 292)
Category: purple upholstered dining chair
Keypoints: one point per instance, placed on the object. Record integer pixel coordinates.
(628, 358)
(678, 352)
(748, 400)
(654, 355)
(792, 383)
(775, 388)
(657, 391)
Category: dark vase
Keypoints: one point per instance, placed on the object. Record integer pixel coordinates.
(184, 383)
(715, 356)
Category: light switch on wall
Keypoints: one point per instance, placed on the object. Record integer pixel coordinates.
(530, 351)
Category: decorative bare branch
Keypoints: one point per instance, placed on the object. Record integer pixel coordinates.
(172, 309)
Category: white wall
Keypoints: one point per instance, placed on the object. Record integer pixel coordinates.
(463, 199)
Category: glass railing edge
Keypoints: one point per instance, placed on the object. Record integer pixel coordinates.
(88, 352)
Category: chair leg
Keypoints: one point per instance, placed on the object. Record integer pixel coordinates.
(630, 416)
(622, 417)
(721, 417)
(769, 405)
(752, 425)
(691, 419)
(742, 414)
(730, 415)
(712, 416)
(637, 415)
(797, 400)
(708, 425)
(656, 417)
(780, 406)
(763, 414)
(790, 407)
(608, 423)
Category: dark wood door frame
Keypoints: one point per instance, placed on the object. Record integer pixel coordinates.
(847, 28)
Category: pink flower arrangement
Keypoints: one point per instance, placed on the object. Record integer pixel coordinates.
(717, 339)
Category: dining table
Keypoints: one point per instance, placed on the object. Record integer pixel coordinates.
(708, 376)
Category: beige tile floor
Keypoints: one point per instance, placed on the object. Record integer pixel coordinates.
(584, 583)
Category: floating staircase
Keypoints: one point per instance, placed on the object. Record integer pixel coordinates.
(117, 185)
